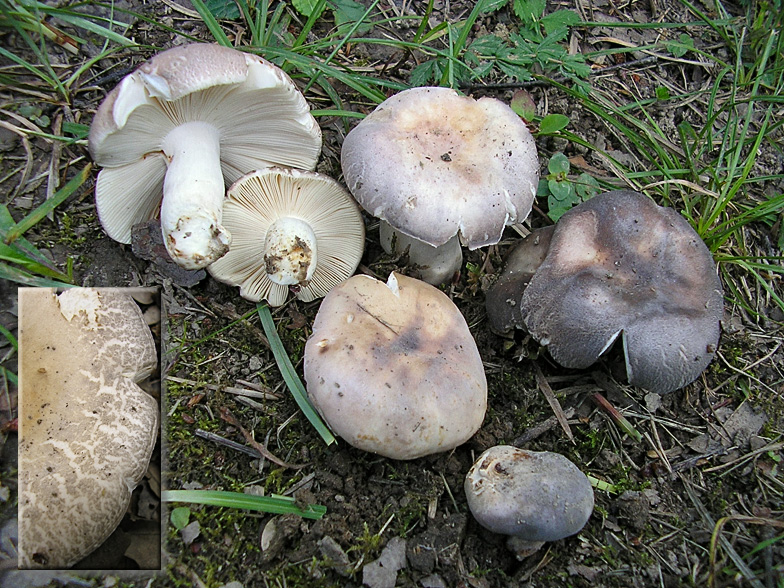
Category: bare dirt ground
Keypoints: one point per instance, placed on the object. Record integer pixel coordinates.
(696, 501)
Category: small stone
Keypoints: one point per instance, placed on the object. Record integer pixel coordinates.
(653, 402)
(433, 581)
(382, 573)
(330, 549)
(190, 532)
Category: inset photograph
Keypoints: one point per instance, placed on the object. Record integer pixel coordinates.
(89, 428)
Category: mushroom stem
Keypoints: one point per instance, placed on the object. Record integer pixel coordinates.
(193, 193)
(290, 252)
(435, 264)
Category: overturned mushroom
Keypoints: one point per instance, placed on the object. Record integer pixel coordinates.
(86, 429)
(393, 368)
(531, 496)
(293, 230)
(442, 168)
(184, 125)
(619, 264)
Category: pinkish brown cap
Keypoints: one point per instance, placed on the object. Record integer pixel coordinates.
(394, 369)
(433, 163)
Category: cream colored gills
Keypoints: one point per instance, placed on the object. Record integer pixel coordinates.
(86, 428)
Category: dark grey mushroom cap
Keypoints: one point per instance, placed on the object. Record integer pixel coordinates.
(619, 263)
(534, 496)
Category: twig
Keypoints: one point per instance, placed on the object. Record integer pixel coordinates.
(772, 446)
(215, 438)
(553, 402)
(232, 420)
(693, 461)
(540, 429)
(229, 389)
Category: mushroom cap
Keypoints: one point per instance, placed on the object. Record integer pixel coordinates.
(534, 496)
(619, 263)
(433, 163)
(261, 116)
(393, 368)
(259, 199)
(502, 301)
(86, 430)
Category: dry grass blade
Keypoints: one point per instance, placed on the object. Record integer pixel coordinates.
(616, 416)
(544, 386)
(743, 568)
(717, 537)
(265, 394)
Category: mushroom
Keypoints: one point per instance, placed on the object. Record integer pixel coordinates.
(502, 300)
(532, 496)
(291, 229)
(620, 264)
(184, 125)
(393, 368)
(442, 169)
(86, 429)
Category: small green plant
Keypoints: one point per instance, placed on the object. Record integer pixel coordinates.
(562, 191)
(344, 12)
(179, 517)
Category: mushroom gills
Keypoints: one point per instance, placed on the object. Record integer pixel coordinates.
(290, 252)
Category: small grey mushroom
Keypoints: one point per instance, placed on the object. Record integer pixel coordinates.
(619, 264)
(531, 496)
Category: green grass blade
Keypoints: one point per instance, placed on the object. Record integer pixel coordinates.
(10, 376)
(92, 27)
(272, 504)
(347, 37)
(9, 337)
(20, 276)
(48, 206)
(212, 24)
(290, 374)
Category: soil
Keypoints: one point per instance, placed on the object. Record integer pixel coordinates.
(685, 504)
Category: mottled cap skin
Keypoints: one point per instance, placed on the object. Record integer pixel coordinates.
(534, 496)
(395, 372)
(619, 263)
(433, 163)
(86, 429)
(502, 301)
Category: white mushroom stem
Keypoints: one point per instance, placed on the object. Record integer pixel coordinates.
(193, 192)
(435, 264)
(290, 252)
